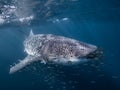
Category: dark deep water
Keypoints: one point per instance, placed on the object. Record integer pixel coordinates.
(95, 22)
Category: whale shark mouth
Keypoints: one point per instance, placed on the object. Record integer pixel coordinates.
(96, 55)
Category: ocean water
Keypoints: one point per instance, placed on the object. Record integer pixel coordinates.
(92, 21)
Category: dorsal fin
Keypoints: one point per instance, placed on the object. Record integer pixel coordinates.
(31, 33)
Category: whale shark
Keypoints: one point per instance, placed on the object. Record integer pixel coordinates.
(56, 49)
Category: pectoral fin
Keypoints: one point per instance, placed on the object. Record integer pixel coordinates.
(23, 63)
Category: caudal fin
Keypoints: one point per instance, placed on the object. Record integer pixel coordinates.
(22, 64)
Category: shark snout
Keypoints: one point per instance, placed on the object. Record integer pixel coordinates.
(97, 54)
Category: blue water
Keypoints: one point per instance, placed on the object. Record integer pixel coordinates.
(95, 22)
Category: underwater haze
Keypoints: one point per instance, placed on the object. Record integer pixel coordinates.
(92, 21)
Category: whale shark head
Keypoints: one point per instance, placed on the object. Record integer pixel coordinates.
(92, 52)
(95, 55)
(89, 51)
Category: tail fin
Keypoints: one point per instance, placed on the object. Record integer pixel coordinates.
(22, 64)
